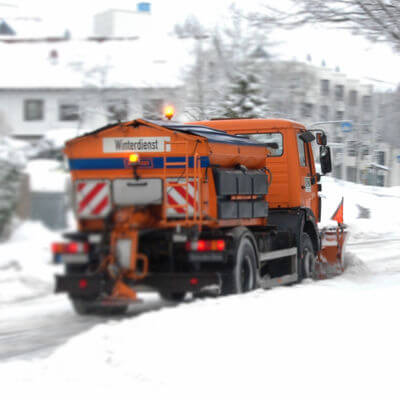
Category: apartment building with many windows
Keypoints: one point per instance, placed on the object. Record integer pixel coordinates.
(362, 152)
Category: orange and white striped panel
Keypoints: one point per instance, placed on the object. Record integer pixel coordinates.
(93, 198)
(177, 196)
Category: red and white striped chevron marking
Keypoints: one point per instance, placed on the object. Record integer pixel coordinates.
(93, 198)
(177, 196)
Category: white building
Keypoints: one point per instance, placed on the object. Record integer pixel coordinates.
(85, 84)
(124, 23)
(321, 96)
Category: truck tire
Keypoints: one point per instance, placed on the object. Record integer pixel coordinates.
(243, 277)
(176, 296)
(85, 307)
(307, 258)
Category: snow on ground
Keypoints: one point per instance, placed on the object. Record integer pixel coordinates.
(330, 339)
(25, 270)
(318, 340)
(46, 176)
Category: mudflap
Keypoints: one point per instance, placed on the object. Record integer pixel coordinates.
(330, 259)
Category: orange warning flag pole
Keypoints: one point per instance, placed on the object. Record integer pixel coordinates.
(338, 214)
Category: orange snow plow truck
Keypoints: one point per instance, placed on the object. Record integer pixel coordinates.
(208, 208)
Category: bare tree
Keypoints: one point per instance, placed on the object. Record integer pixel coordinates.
(235, 48)
(290, 84)
(378, 20)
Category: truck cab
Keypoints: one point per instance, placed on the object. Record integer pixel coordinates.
(291, 160)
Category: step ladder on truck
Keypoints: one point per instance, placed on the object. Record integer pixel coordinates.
(208, 208)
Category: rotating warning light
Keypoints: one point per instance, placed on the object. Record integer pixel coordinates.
(134, 159)
(169, 112)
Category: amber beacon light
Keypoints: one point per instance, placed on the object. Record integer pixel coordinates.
(134, 159)
(169, 112)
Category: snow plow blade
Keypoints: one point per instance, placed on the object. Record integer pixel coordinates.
(330, 260)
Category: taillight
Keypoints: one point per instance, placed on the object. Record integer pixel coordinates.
(206, 245)
(83, 283)
(70, 248)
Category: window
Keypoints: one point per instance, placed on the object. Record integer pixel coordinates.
(68, 112)
(351, 148)
(274, 142)
(380, 180)
(339, 92)
(366, 129)
(324, 113)
(351, 174)
(33, 110)
(353, 97)
(117, 110)
(324, 87)
(337, 171)
(307, 110)
(339, 115)
(153, 109)
(380, 157)
(302, 153)
(366, 103)
(364, 152)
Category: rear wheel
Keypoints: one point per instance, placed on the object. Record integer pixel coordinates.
(243, 277)
(307, 257)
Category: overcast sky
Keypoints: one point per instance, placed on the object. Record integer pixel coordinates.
(354, 55)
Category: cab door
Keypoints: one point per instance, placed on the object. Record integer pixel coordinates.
(308, 178)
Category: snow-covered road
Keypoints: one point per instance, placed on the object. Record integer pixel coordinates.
(330, 339)
(35, 328)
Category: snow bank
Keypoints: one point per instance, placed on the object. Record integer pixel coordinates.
(47, 176)
(25, 263)
(369, 211)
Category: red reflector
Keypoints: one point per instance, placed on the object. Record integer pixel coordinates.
(206, 245)
(194, 281)
(83, 284)
(55, 247)
(220, 245)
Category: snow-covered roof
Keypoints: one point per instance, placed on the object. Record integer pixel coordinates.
(32, 27)
(148, 62)
(379, 166)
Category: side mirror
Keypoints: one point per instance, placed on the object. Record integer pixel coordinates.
(325, 159)
(321, 139)
(307, 137)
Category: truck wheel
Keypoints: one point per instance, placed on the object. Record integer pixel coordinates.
(85, 307)
(243, 277)
(307, 258)
(176, 296)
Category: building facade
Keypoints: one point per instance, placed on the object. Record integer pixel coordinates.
(322, 98)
